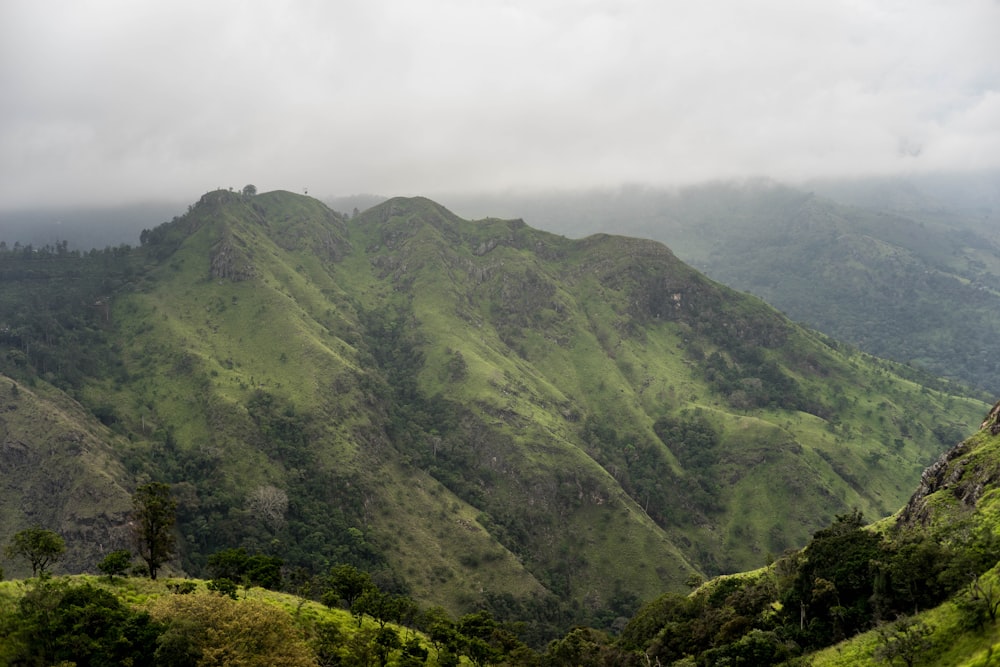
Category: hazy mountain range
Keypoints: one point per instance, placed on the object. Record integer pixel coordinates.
(487, 413)
(904, 268)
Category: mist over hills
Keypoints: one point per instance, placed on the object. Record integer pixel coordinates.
(84, 228)
(488, 414)
(904, 268)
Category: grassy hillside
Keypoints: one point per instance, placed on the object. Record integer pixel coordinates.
(480, 413)
(94, 620)
(59, 469)
(903, 271)
(919, 588)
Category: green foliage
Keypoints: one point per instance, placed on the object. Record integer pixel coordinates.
(586, 647)
(483, 640)
(911, 283)
(223, 586)
(386, 641)
(153, 520)
(214, 629)
(116, 563)
(846, 581)
(497, 416)
(359, 593)
(87, 621)
(81, 624)
(238, 565)
(347, 583)
(38, 546)
(56, 306)
(830, 596)
(905, 642)
(182, 587)
(413, 653)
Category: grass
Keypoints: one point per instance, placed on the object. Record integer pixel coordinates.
(141, 594)
(953, 644)
(553, 340)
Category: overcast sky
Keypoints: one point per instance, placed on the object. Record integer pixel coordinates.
(107, 102)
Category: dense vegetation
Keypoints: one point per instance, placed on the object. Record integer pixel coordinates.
(905, 271)
(479, 415)
(920, 588)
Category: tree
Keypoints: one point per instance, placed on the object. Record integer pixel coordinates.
(833, 589)
(117, 562)
(249, 190)
(152, 524)
(384, 607)
(586, 647)
(386, 641)
(207, 629)
(238, 566)
(346, 583)
(485, 641)
(264, 571)
(905, 641)
(228, 563)
(223, 586)
(987, 594)
(79, 625)
(38, 546)
(270, 504)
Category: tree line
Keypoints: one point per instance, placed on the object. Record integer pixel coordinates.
(56, 621)
(847, 580)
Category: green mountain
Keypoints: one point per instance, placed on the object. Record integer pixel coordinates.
(480, 413)
(905, 273)
(920, 587)
(60, 470)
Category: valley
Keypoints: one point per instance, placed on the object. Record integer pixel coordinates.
(491, 415)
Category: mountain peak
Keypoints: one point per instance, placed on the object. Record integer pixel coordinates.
(485, 408)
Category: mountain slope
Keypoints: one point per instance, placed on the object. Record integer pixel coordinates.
(480, 412)
(921, 587)
(59, 471)
(908, 278)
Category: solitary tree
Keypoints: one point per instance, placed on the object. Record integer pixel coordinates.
(153, 523)
(249, 190)
(270, 504)
(347, 583)
(905, 641)
(38, 546)
(116, 563)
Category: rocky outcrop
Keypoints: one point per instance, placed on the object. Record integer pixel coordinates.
(958, 471)
(992, 421)
(228, 262)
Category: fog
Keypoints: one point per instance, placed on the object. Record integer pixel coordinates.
(119, 102)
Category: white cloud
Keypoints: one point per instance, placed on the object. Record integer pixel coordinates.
(106, 100)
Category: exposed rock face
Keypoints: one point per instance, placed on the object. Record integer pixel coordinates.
(992, 420)
(967, 477)
(56, 461)
(229, 263)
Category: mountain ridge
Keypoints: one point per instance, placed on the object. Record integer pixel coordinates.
(906, 278)
(484, 411)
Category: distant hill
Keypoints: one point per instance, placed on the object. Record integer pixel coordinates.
(84, 228)
(483, 414)
(904, 269)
